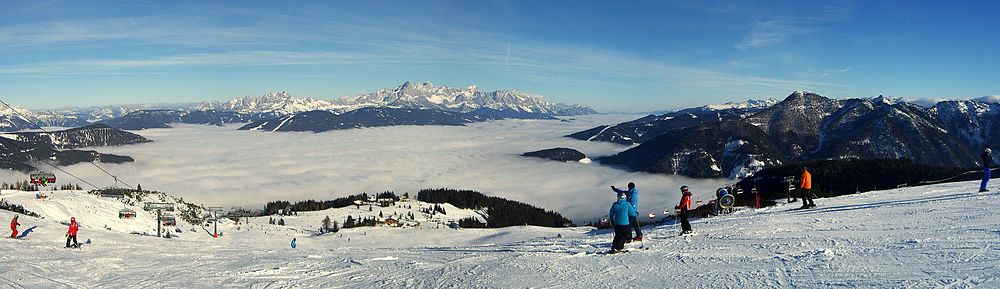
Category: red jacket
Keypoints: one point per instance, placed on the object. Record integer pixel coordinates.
(685, 201)
(73, 228)
(13, 224)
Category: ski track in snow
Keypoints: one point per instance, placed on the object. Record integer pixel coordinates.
(920, 237)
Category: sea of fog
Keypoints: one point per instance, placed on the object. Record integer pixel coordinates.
(223, 166)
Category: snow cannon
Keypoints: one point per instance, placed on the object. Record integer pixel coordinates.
(42, 178)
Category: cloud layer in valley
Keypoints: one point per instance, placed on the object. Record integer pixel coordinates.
(224, 166)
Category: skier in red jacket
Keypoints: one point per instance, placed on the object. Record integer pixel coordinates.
(683, 207)
(71, 234)
(13, 227)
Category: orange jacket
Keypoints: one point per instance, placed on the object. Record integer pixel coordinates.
(807, 180)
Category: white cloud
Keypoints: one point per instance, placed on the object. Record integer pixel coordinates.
(925, 101)
(989, 98)
(223, 166)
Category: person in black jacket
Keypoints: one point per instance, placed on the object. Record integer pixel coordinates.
(987, 159)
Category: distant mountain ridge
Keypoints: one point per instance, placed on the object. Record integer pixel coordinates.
(651, 126)
(427, 96)
(94, 135)
(322, 120)
(24, 151)
(807, 126)
(479, 105)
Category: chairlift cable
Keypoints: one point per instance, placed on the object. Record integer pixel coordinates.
(48, 163)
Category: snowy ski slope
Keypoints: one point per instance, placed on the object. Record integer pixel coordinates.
(941, 236)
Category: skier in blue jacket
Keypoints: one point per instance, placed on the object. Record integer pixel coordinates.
(621, 212)
(632, 196)
(987, 158)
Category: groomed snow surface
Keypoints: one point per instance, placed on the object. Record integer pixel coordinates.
(922, 237)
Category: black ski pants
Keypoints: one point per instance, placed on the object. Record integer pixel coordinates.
(685, 225)
(622, 233)
(634, 222)
(807, 197)
(71, 237)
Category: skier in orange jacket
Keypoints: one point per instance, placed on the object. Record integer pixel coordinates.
(806, 188)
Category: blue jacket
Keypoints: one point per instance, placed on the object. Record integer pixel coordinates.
(632, 196)
(620, 211)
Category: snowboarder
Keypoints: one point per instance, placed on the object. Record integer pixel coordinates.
(683, 207)
(71, 234)
(619, 217)
(805, 186)
(293, 243)
(632, 196)
(987, 158)
(13, 227)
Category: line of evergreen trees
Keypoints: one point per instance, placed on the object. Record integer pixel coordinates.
(500, 212)
(832, 178)
(313, 205)
(4, 205)
(351, 222)
(28, 186)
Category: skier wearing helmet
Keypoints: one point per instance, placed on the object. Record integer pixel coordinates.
(71, 234)
(683, 208)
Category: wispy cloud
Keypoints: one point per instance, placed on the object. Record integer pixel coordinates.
(785, 23)
(162, 44)
(389, 44)
(771, 32)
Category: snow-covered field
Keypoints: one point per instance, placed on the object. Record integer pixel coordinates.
(943, 236)
(222, 166)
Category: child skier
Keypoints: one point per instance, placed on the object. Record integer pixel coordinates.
(13, 227)
(684, 206)
(632, 196)
(71, 234)
(619, 218)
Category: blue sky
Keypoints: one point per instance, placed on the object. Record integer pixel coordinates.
(612, 55)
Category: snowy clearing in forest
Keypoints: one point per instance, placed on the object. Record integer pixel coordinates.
(933, 236)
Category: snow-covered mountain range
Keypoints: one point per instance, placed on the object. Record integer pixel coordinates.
(651, 126)
(807, 126)
(427, 96)
(16, 119)
(279, 103)
(408, 95)
(497, 104)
